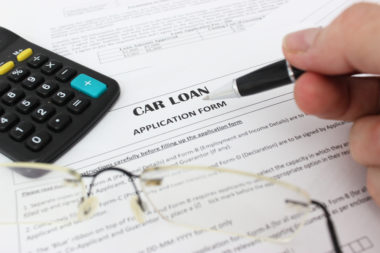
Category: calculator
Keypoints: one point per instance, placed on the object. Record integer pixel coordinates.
(47, 102)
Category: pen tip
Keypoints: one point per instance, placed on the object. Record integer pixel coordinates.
(223, 92)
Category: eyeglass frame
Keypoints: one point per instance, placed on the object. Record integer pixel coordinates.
(131, 176)
(87, 194)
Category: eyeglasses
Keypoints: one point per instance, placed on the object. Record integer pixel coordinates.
(232, 202)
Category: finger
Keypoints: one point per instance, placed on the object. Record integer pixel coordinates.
(342, 98)
(373, 184)
(349, 44)
(365, 141)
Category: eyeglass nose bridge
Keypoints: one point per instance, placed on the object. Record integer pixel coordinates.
(89, 205)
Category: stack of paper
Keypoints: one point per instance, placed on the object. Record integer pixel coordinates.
(167, 55)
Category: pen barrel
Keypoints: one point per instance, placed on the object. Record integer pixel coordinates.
(266, 78)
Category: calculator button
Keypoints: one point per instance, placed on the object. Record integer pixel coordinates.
(46, 89)
(59, 122)
(78, 105)
(27, 104)
(39, 140)
(25, 54)
(51, 67)
(65, 74)
(88, 85)
(37, 60)
(6, 67)
(21, 130)
(62, 97)
(18, 74)
(32, 81)
(43, 112)
(13, 96)
(7, 120)
(4, 87)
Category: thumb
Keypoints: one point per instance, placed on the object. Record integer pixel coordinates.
(349, 44)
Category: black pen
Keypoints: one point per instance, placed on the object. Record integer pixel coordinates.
(269, 77)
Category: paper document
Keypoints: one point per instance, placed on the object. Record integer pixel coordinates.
(167, 55)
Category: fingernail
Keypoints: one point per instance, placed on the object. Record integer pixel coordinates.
(373, 183)
(301, 41)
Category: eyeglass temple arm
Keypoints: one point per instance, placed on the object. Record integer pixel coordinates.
(130, 175)
(330, 225)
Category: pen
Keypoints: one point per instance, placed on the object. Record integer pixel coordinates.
(269, 77)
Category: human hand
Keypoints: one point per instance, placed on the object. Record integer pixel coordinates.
(350, 44)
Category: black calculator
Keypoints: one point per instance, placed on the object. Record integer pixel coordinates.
(47, 102)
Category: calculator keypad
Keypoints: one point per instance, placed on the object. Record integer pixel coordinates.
(38, 140)
(25, 54)
(62, 97)
(66, 74)
(78, 105)
(32, 81)
(51, 67)
(13, 96)
(6, 67)
(37, 60)
(43, 112)
(88, 85)
(7, 121)
(47, 89)
(21, 130)
(18, 74)
(27, 104)
(59, 122)
(41, 97)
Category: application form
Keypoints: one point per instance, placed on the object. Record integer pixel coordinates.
(167, 55)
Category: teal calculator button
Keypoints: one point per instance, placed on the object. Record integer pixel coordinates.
(88, 85)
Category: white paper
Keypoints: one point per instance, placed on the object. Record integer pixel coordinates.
(166, 77)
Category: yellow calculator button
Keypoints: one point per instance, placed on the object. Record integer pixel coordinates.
(24, 54)
(6, 67)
